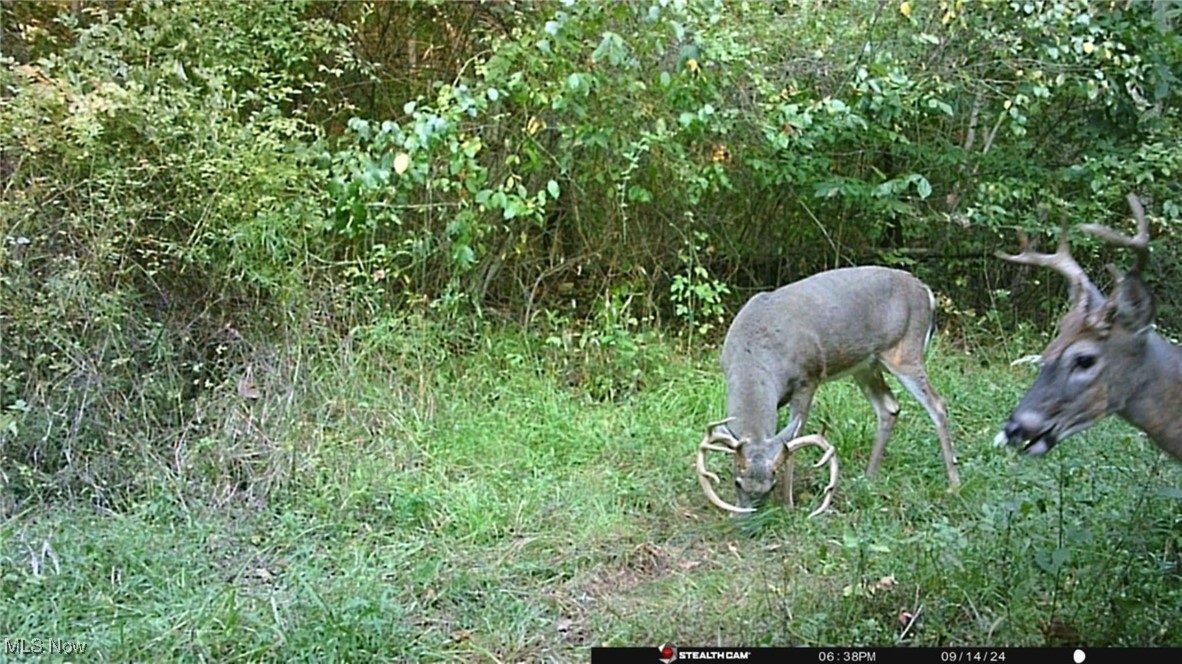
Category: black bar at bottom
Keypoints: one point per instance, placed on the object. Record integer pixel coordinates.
(1076, 655)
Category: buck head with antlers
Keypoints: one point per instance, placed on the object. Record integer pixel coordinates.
(785, 343)
(1106, 358)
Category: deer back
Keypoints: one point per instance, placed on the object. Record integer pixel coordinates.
(814, 330)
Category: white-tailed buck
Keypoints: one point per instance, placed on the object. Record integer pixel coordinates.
(785, 343)
(1106, 359)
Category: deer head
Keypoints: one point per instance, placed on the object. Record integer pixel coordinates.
(1106, 357)
(716, 432)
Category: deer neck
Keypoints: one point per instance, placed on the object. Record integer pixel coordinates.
(752, 400)
(1156, 396)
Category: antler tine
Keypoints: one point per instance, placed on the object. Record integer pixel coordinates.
(829, 457)
(706, 478)
(710, 426)
(1079, 285)
(1061, 261)
(1139, 242)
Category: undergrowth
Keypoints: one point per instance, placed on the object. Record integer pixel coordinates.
(418, 493)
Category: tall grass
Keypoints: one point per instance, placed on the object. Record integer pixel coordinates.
(416, 496)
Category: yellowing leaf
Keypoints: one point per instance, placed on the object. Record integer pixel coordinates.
(401, 163)
(692, 65)
(1089, 47)
(905, 9)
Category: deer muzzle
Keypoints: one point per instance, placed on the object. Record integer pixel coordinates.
(1029, 431)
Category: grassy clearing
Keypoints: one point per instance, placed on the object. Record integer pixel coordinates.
(419, 501)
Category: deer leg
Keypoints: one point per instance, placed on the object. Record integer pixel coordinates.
(798, 414)
(915, 379)
(886, 408)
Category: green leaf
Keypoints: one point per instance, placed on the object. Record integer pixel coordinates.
(464, 256)
(360, 127)
(1059, 557)
(1170, 492)
(638, 193)
(1054, 562)
(552, 187)
(923, 187)
(610, 47)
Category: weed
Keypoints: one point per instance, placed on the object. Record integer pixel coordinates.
(441, 505)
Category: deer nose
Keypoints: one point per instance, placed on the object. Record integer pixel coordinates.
(1023, 425)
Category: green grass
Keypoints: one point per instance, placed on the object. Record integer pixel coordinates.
(414, 503)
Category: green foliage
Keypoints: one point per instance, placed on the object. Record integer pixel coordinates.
(444, 503)
(607, 357)
(697, 297)
(157, 189)
(851, 134)
(252, 255)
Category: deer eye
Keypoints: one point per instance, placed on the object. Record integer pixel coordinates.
(1083, 362)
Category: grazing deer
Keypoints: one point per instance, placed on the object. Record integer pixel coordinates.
(1106, 359)
(785, 343)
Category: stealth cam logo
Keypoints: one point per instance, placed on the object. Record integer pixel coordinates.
(668, 653)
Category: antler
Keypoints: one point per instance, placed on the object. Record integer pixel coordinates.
(1061, 261)
(1138, 242)
(829, 457)
(705, 476)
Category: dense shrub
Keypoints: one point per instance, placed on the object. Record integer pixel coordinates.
(188, 186)
(159, 197)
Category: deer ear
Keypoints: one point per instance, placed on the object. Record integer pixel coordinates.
(1131, 305)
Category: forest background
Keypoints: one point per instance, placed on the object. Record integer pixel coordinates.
(432, 292)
